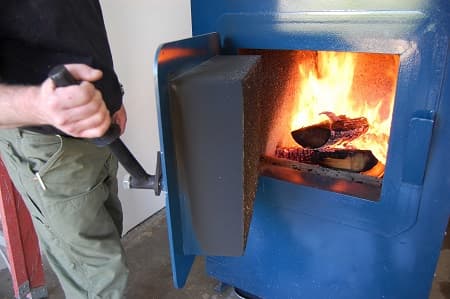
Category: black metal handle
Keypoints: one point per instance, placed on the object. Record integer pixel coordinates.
(62, 77)
(140, 179)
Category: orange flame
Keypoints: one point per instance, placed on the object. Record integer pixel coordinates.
(350, 84)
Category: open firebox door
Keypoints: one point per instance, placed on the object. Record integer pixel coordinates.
(210, 149)
(314, 118)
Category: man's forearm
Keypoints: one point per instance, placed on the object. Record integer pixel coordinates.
(77, 110)
(16, 105)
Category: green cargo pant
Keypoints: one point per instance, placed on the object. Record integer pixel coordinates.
(70, 189)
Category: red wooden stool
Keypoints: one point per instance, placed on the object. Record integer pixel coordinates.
(22, 245)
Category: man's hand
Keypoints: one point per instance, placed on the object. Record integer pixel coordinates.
(78, 110)
(120, 118)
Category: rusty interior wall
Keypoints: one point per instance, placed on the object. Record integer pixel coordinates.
(276, 93)
(252, 130)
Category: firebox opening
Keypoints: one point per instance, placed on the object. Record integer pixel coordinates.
(326, 118)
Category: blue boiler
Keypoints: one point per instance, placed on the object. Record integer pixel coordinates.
(306, 242)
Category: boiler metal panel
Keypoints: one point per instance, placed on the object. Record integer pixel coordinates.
(308, 243)
(170, 60)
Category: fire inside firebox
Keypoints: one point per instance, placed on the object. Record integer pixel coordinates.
(329, 119)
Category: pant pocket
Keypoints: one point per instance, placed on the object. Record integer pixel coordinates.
(19, 168)
(65, 167)
(40, 151)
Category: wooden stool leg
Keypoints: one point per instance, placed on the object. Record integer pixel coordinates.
(21, 242)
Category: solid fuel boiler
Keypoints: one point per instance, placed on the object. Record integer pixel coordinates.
(305, 146)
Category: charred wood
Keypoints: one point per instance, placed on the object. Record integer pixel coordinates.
(304, 155)
(350, 160)
(267, 162)
(337, 130)
(344, 159)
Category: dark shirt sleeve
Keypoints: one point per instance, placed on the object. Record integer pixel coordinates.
(36, 35)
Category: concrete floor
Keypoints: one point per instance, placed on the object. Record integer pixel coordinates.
(151, 278)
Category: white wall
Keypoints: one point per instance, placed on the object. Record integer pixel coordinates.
(135, 29)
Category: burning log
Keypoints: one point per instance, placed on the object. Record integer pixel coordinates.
(344, 159)
(351, 160)
(298, 154)
(337, 130)
(279, 168)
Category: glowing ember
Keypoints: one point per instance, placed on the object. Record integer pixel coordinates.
(350, 84)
